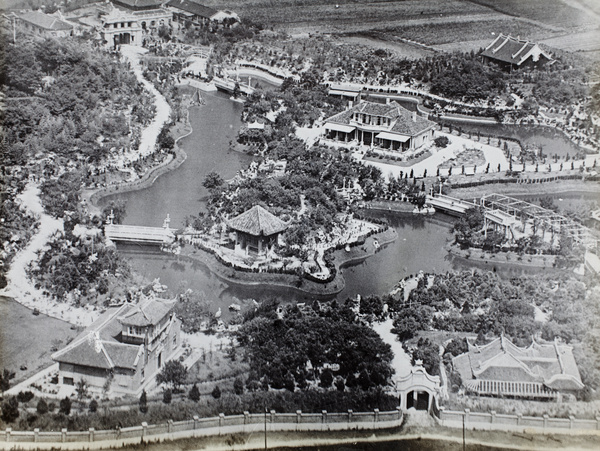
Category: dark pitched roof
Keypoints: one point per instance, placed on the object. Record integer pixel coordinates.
(257, 221)
(86, 352)
(193, 8)
(147, 313)
(403, 121)
(45, 21)
(139, 3)
(550, 364)
(513, 50)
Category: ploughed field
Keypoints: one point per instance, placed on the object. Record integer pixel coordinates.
(429, 22)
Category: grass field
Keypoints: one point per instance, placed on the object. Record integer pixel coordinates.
(26, 339)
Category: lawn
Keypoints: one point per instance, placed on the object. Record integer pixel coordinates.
(27, 339)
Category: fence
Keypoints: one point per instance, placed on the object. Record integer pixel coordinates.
(215, 426)
(496, 421)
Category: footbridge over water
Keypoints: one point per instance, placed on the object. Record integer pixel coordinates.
(450, 205)
(139, 234)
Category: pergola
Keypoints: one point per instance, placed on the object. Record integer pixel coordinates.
(546, 219)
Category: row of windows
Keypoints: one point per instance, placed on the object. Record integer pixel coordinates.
(372, 120)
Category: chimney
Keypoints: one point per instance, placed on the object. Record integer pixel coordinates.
(387, 100)
(414, 116)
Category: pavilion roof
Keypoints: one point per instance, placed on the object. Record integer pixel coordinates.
(257, 221)
(512, 50)
(140, 3)
(551, 364)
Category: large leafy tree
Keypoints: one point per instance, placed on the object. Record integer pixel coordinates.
(173, 374)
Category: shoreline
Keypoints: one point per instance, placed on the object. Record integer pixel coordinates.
(94, 196)
(476, 255)
(300, 284)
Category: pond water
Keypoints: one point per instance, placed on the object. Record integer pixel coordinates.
(420, 243)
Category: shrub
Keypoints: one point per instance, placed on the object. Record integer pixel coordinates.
(167, 396)
(93, 405)
(194, 394)
(216, 393)
(42, 407)
(10, 410)
(238, 386)
(441, 141)
(24, 396)
(65, 406)
(144, 402)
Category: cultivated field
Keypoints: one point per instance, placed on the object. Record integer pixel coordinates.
(26, 339)
(450, 32)
(443, 25)
(552, 12)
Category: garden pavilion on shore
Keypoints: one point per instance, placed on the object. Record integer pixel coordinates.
(257, 231)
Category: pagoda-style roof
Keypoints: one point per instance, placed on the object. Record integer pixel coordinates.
(257, 221)
(514, 50)
(551, 364)
(147, 313)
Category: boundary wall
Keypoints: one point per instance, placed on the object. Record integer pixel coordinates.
(517, 423)
(204, 427)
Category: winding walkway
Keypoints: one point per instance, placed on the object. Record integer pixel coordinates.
(163, 110)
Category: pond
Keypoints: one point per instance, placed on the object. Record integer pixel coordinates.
(420, 243)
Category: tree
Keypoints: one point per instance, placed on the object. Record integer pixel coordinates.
(326, 378)
(238, 386)
(93, 405)
(167, 396)
(82, 389)
(213, 181)
(65, 406)
(173, 374)
(144, 402)
(194, 394)
(216, 393)
(5, 378)
(42, 407)
(165, 140)
(10, 410)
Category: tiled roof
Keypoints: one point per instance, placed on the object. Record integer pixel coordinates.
(192, 8)
(512, 50)
(87, 352)
(123, 355)
(550, 364)
(147, 313)
(45, 21)
(403, 121)
(139, 3)
(257, 221)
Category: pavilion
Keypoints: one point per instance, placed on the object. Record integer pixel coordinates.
(389, 126)
(513, 53)
(500, 368)
(257, 231)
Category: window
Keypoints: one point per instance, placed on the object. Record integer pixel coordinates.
(68, 381)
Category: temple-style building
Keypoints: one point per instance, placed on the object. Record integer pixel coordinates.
(124, 349)
(540, 371)
(389, 126)
(513, 53)
(256, 231)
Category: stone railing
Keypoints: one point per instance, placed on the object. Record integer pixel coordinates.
(497, 421)
(206, 427)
